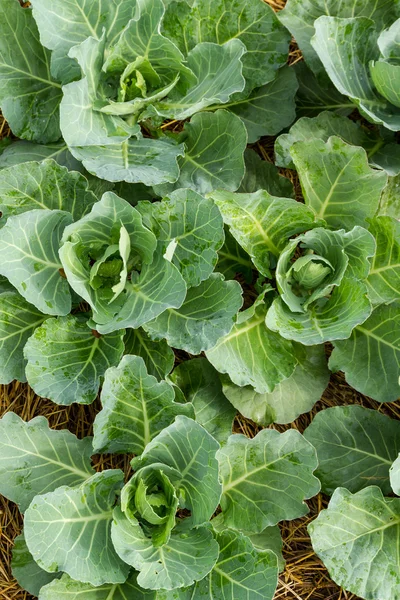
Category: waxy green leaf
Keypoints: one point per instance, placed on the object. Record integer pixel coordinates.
(252, 354)
(356, 538)
(355, 447)
(69, 530)
(370, 358)
(262, 224)
(241, 571)
(346, 47)
(135, 408)
(29, 243)
(337, 181)
(384, 277)
(46, 185)
(299, 17)
(194, 227)
(266, 479)
(68, 589)
(254, 24)
(200, 384)
(20, 152)
(268, 109)
(394, 474)
(158, 356)
(26, 571)
(67, 360)
(18, 320)
(215, 143)
(189, 452)
(291, 397)
(187, 556)
(207, 314)
(35, 459)
(29, 96)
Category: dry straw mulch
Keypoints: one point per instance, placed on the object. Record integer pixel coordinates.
(304, 578)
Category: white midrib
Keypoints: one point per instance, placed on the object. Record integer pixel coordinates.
(248, 474)
(82, 474)
(105, 516)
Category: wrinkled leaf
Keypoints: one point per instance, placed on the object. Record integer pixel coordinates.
(26, 571)
(291, 397)
(207, 314)
(266, 479)
(384, 277)
(337, 181)
(135, 408)
(45, 185)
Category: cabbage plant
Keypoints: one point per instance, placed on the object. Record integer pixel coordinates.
(108, 77)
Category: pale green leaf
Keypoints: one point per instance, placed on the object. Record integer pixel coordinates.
(337, 181)
(394, 474)
(158, 356)
(135, 408)
(207, 314)
(68, 589)
(144, 160)
(266, 479)
(76, 20)
(241, 572)
(28, 574)
(69, 530)
(194, 225)
(356, 537)
(35, 459)
(218, 75)
(215, 143)
(267, 109)
(67, 362)
(299, 17)
(29, 244)
(188, 452)
(346, 47)
(262, 224)
(254, 23)
(370, 358)
(291, 397)
(186, 557)
(386, 78)
(252, 354)
(29, 97)
(326, 319)
(262, 175)
(200, 384)
(322, 127)
(142, 38)
(44, 185)
(18, 320)
(355, 447)
(20, 151)
(384, 277)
